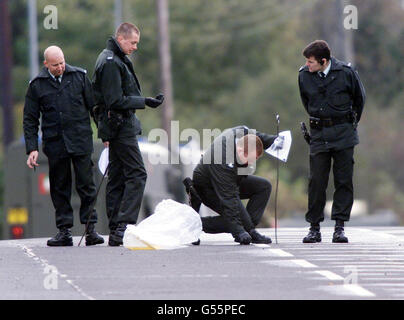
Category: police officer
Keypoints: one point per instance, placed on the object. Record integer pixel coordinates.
(224, 177)
(62, 97)
(334, 97)
(118, 95)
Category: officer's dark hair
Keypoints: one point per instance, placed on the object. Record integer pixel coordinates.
(126, 29)
(318, 49)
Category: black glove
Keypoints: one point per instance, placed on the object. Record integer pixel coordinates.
(154, 102)
(259, 238)
(243, 238)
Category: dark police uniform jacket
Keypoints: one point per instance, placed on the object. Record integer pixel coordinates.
(333, 98)
(117, 88)
(65, 108)
(224, 175)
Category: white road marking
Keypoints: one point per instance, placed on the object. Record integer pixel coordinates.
(261, 245)
(368, 256)
(361, 255)
(303, 263)
(387, 285)
(280, 253)
(329, 275)
(385, 278)
(45, 264)
(358, 290)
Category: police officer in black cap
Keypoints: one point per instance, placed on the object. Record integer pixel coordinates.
(61, 95)
(118, 95)
(334, 97)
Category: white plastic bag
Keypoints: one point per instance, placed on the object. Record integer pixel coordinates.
(172, 225)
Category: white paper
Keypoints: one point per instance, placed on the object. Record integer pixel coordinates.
(282, 154)
(103, 161)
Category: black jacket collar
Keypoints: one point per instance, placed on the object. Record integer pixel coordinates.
(335, 64)
(113, 45)
(45, 74)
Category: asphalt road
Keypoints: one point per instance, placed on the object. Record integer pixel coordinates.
(371, 266)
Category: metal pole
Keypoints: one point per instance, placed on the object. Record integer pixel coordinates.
(277, 182)
(349, 53)
(6, 58)
(117, 13)
(33, 39)
(165, 65)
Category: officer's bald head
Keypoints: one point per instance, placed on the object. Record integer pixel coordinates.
(54, 60)
(52, 52)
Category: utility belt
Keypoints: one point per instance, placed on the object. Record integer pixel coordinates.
(111, 121)
(319, 123)
(120, 114)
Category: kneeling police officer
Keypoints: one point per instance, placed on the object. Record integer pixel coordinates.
(224, 177)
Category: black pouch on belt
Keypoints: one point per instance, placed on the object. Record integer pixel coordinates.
(315, 123)
(115, 121)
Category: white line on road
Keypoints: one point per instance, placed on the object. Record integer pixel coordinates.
(385, 278)
(45, 264)
(350, 255)
(371, 267)
(303, 263)
(261, 245)
(358, 290)
(280, 253)
(329, 275)
(386, 285)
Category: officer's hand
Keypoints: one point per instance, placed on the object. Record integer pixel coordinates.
(278, 143)
(243, 238)
(154, 102)
(32, 159)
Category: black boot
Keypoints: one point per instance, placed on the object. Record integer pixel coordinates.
(259, 238)
(116, 236)
(242, 238)
(339, 235)
(92, 237)
(313, 236)
(62, 239)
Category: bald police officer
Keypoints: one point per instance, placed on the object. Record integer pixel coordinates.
(61, 96)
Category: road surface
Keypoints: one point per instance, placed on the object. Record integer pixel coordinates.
(371, 266)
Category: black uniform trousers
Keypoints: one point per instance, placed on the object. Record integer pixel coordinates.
(60, 180)
(126, 182)
(320, 165)
(256, 189)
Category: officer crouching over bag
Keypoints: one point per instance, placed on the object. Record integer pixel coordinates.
(224, 177)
